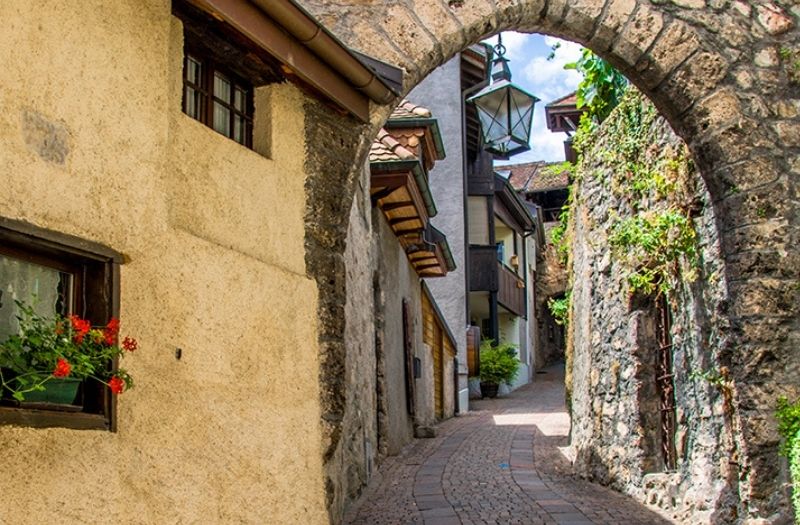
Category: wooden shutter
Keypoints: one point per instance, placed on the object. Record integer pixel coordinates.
(473, 351)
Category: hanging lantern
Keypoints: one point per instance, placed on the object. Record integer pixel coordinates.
(505, 111)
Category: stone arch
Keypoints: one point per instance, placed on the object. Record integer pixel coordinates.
(713, 68)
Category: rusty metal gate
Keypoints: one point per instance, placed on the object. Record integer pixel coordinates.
(665, 382)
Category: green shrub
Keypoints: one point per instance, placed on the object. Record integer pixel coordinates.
(559, 308)
(794, 468)
(499, 364)
(788, 415)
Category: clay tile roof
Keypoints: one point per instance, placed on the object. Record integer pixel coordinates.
(565, 101)
(410, 110)
(534, 176)
(386, 149)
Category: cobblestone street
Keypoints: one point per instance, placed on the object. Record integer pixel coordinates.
(499, 464)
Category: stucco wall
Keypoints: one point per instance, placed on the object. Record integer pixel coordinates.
(441, 93)
(212, 235)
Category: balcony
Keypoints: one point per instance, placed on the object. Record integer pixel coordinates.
(511, 290)
(488, 274)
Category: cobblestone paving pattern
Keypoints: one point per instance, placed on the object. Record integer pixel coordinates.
(498, 464)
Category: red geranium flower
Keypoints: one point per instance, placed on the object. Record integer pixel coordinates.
(130, 344)
(116, 385)
(63, 368)
(110, 332)
(81, 327)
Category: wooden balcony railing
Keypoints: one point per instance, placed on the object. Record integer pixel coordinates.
(511, 290)
(488, 274)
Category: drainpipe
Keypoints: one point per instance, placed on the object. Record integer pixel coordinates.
(310, 33)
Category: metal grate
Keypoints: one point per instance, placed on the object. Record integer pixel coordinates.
(666, 383)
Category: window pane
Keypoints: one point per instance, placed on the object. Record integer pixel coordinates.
(192, 103)
(238, 99)
(238, 129)
(222, 88)
(47, 290)
(222, 119)
(193, 70)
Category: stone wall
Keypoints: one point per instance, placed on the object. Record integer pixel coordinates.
(615, 401)
(551, 282)
(356, 457)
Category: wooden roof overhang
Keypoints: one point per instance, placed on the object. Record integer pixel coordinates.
(421, 136)
(400, 190)
(475, 64)
(309, 54)
(429, 253)
(563, 114)
(513, 210)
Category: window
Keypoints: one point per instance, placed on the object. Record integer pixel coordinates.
(218, 98)
(57, 273)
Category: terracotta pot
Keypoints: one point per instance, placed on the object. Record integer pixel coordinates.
(489, 390)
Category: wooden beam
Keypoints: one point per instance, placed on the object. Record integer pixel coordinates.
(396, 205)
(269, 36)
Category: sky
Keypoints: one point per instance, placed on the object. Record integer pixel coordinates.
(547, 80)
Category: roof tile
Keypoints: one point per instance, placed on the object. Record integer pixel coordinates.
(534, 176)
(386, 149)
(409, 110)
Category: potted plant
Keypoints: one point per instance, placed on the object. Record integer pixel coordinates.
(49, 357)
(499, 364)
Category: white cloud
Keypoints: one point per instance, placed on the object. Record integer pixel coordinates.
(547, 78)
(515, 44)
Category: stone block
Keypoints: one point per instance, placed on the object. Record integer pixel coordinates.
(422, 432)
(693, 80)
(638, 35)
(677, 43)
(581, 16)
(617, 13)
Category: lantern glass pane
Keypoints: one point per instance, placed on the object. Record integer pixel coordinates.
(521, 114)
(493, 114)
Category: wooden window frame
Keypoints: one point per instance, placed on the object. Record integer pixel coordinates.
(96, 297)
(205, 90)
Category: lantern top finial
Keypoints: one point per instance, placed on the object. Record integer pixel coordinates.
(500, 68)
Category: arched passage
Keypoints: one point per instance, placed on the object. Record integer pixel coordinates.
(713, 70)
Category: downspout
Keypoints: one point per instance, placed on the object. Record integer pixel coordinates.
(310, 33)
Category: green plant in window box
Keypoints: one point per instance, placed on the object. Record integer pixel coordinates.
(499, 364)
(49, 357)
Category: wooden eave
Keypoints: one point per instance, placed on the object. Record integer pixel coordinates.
(317, 62)
(563, 119)
(512, 204)
(398, 196)
(419, 176)
(429, 253)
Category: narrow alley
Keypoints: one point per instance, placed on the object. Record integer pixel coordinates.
(503, 462)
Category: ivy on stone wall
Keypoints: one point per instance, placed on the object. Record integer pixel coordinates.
(657, 244)
(559, 308)
(788, 415)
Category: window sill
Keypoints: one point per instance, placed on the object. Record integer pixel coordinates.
(29, 417)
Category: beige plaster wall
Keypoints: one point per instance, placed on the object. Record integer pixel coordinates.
(212, 235)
